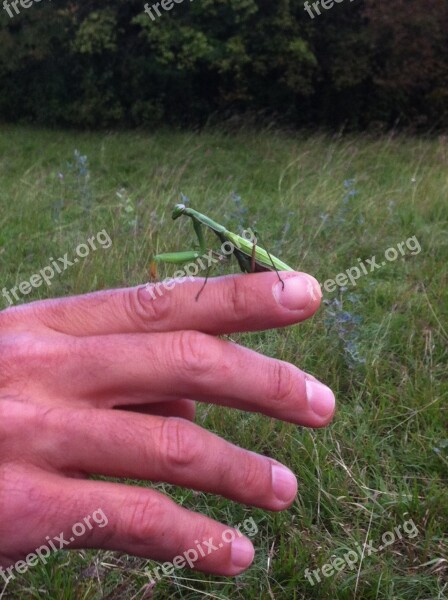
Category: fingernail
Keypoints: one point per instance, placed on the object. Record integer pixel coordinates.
(320, 398)
(299, 292)
(284, 483)
(242, 552)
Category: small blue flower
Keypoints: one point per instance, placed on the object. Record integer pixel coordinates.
(343, 324)
(185, 199)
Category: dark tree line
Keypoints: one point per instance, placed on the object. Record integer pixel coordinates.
(358, 64)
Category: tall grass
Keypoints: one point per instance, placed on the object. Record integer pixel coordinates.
(321, 203)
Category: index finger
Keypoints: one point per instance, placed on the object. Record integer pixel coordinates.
(227, 304)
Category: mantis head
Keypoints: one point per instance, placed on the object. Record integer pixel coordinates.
(179, 210)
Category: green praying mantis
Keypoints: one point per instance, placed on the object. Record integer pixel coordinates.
(251, 257)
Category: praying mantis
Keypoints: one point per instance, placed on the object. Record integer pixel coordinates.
(251, 257)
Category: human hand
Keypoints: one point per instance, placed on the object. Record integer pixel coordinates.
(65, 364)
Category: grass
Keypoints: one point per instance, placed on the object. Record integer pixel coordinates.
(321, 203)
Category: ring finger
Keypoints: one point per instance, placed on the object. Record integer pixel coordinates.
(153, 448)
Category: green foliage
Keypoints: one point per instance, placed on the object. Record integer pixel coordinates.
(357, 63)
(97, 33)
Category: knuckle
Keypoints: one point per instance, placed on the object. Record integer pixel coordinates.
(141, 518)
(195, 352)
(181, 447)
(282, 384)
(144, 308)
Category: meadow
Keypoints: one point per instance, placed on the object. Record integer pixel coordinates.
(323, 203)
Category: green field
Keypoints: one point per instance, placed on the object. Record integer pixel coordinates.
(320, 203)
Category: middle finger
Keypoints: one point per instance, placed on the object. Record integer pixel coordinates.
(155, 367)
